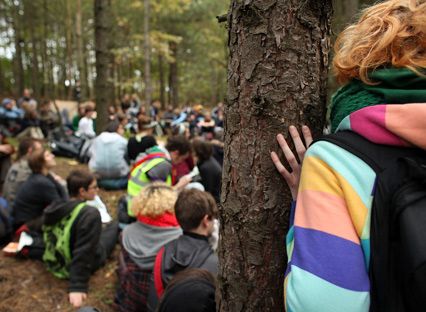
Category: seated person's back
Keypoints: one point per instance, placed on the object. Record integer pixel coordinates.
(108, 153)
(195, 211)
(156, 225)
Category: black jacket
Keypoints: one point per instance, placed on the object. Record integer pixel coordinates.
(136, 147)
(86, 251)
(211, 176)
(34, 195)
(189, 250)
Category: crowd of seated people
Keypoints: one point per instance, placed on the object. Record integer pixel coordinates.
(172, 187)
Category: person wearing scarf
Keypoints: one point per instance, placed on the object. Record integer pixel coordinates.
(156, 226)
(381, 61)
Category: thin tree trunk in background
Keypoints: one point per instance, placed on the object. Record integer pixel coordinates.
(68, 43)
(86, 68)
(34, 68)
(103, 84)
(119, 77)
(214, 86)
(18, 59)
(147, 49)
(2, 80)
(277, 76)
(162, 82)
(44, 57)
(80, 54)
(344, 12)
(173, 77)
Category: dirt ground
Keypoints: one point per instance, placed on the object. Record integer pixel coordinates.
(26, 285)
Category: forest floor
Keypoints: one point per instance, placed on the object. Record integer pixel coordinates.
(26, 285)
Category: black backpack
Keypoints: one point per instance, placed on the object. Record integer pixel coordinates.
(398, 222)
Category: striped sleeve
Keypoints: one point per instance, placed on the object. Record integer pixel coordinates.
(328, 242)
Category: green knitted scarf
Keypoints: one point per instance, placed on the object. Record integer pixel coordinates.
(395, 86)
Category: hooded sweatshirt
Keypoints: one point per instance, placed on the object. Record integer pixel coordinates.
(86, 252)
(328, 244)
(190, 250)
(108, 156)
(142, 241)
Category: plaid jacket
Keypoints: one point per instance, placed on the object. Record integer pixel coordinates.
(133, 285)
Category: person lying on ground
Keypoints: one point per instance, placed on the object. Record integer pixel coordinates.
(156, 225)
(76, 242)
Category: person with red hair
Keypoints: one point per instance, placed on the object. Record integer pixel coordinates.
(380, 61)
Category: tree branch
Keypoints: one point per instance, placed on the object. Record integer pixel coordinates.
(222, 18)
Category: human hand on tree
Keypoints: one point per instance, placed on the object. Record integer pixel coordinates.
(77, 298)
(292, 178)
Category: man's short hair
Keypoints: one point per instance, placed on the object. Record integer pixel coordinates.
(24, 146)
(36, 160)
(112, 126)
(178, 143)
(77, 179)
(202, 149)
(191, 207)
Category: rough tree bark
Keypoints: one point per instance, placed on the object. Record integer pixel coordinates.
(277, 75)
(103, 84)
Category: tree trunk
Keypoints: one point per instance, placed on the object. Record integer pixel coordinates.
(344, 12)
(19, 43)
(87, 69)
(34, 69)
(103, 85)
(162, 82)
(277, 75)
(147, 49)
(44, 57)
(173, 77)
(80, 54)
(68, 41)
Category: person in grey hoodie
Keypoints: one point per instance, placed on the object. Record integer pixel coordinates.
(195, 211)
(156, 226)
(108, 157)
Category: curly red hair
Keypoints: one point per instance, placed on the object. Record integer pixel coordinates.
(391, 33)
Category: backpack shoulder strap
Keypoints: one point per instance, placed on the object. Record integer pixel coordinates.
(158, 282)
(377, 156)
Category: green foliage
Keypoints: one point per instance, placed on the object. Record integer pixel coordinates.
(189, 24)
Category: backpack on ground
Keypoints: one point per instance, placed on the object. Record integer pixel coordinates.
(398, 222)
